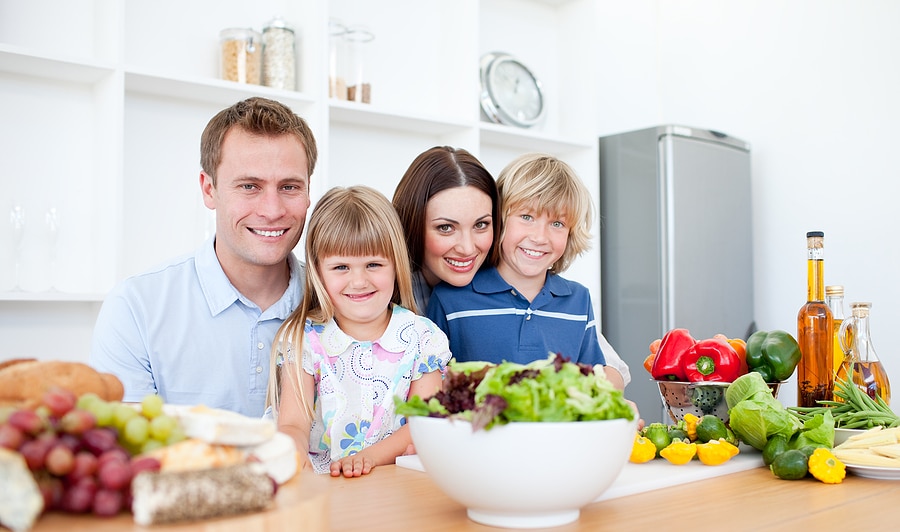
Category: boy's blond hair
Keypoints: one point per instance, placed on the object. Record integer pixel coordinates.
(548, 185)
(351, 221)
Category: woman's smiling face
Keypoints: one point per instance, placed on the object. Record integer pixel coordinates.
(459, 231)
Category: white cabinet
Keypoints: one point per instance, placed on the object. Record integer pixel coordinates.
(105, 101)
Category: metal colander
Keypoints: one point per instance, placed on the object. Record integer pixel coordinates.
(698, 398)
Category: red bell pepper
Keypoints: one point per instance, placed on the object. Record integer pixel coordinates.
(712, 360)
(668, 365)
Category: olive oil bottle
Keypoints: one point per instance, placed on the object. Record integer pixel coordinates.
(834, 298)
(860, 360)
(815, 330)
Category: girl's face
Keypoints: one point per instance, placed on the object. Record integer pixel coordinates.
(532, 243)
(458, 235)
(360, 289)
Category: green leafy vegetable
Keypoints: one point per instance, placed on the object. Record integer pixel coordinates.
(818, 430)
(754, 413)
(552, 389)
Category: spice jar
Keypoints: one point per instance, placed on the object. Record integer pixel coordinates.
(241, 50)
(279, 63)
(337, 85)
(359, 86)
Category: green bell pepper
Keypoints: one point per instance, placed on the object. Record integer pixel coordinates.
(772, 354)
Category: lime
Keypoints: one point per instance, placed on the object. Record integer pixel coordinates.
(790, 465)
(678, 434)
(710, 428)
(776, 445)
(659, 435)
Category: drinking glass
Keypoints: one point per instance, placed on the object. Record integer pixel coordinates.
(17, 221)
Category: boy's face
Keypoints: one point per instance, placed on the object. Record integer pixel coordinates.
(533, 241)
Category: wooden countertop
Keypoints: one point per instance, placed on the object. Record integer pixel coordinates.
(394, 498)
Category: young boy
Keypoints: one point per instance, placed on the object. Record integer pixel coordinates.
(522, 310)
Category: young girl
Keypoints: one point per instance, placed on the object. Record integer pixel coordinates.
(355, 342)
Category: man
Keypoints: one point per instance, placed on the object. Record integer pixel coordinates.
(199, 329)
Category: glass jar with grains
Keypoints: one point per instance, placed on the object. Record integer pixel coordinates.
(279, 63)
(358, 69)
(241, 52)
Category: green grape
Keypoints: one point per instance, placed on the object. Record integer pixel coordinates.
(151, 445)
(136, 431)
(162, 426)
(86, 401)
(122, 414)
(152, 406)
(103, 411)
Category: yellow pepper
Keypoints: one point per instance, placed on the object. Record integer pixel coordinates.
(643, 450)
(690, 426)
(716, 452)
(825, 467)
(679, 452)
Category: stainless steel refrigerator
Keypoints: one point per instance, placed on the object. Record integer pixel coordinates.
(676, 242)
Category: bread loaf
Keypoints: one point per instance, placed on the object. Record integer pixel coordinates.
(22, 384)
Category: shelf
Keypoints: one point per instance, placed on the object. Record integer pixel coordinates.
(528, 139)
(15, 60)
(51, 297)
(205, 90)
(359, 114)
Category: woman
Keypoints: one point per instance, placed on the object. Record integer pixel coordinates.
(449, 208)
(447, 203)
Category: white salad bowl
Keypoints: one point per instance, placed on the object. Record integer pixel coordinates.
(523, 475)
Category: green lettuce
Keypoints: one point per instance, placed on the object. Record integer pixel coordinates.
(754, 413)
(819, 430)
(551, 389)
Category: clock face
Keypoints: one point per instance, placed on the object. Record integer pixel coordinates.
(513, 95)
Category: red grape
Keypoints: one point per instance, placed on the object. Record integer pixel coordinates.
(144, 463)
(85, 466)
(71, 441)
(99, 440)
(51, 489)
(77, 421)
(11, 437)
(114, 475)
(27, 421)
(59, 401)
(35, 452)
(59, 461)
(107, 503)
(79, 497)
(116, 454)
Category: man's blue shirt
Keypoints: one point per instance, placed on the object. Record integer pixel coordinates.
(183, 331)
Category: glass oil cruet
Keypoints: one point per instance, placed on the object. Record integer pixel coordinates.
(860, 359)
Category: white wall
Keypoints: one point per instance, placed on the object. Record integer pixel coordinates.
(814, 86)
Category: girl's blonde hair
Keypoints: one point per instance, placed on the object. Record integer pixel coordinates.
(353, 221)
(548, 185)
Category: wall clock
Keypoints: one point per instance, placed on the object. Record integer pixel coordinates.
(510, 93)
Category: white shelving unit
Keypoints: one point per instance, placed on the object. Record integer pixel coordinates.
(106, 100)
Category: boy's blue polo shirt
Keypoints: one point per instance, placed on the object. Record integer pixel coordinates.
(489, 320)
